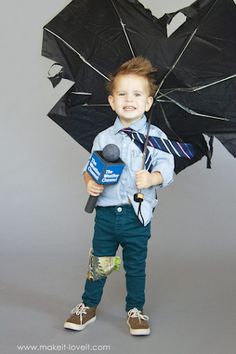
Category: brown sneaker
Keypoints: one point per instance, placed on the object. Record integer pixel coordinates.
(138, 323)
(81, 316)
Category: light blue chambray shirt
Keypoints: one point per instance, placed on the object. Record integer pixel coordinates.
(123, 191)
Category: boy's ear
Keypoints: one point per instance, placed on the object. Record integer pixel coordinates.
(149, 103)
(111, 101)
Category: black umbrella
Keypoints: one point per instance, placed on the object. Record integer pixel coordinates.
(196, 68)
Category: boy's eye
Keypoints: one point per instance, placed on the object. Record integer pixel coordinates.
(121, 93)
(137, 94)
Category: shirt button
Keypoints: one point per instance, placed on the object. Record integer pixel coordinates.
(119, 210)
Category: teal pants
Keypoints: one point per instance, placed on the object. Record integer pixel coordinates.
(116, 226)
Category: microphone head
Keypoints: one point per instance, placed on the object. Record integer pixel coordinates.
(111, 152)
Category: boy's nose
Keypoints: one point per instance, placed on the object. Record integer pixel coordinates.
(129, 97)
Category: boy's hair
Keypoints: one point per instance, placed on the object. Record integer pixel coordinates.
(137, 66)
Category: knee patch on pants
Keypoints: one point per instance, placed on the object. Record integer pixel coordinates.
(102, 266)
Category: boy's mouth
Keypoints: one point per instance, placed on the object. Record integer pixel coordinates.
(129, 108)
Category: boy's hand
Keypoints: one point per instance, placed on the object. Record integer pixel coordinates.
(145, 179)
(94, 188)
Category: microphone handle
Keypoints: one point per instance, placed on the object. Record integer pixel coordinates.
(91, 204)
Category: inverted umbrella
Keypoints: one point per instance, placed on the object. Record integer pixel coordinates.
(196, 68)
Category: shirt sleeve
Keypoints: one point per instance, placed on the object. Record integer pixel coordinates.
(163, 162)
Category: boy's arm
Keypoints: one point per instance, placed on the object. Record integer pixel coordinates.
(162, 161)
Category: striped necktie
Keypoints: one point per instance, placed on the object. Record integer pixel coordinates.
(172, 147)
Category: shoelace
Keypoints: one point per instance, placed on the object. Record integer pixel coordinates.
(135, 313)
(80, 310)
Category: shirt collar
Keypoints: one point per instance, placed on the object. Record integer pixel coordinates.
(138, 125)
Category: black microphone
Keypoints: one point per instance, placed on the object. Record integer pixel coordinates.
(105, 167)
(111, 153)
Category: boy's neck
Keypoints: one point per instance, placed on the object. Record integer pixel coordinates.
(127, 124)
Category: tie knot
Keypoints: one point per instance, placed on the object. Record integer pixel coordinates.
(127, 130)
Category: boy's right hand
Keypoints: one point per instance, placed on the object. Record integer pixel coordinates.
(94, 188)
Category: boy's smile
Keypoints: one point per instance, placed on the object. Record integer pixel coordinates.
(130, 98)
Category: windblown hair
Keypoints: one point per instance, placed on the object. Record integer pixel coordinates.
(137, 66)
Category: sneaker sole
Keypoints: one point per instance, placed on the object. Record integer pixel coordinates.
(139, 332)
(77, 327)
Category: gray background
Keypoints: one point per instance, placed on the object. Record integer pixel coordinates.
(45, 233)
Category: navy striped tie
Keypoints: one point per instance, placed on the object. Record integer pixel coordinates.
(172, 147)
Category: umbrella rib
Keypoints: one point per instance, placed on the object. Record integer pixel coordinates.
(177, 60)
(198, 88)
(123, 28)
(168, 123)
(183, 50)
(214, 83)
(81, 93)
(189, 110)
(95, 105)
(75, 51)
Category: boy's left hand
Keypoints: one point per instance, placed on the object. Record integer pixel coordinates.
(145, 179)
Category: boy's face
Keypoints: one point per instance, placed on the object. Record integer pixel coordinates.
(130, 98)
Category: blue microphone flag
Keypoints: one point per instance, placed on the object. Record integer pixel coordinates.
(102, 171)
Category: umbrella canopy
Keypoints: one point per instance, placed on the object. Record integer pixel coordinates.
(196, 68)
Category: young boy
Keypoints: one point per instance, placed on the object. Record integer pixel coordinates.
(118, 218)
